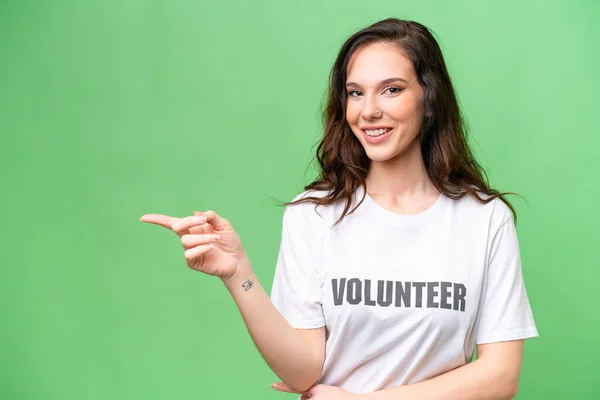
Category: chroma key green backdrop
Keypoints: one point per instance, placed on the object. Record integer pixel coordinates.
(113, 109)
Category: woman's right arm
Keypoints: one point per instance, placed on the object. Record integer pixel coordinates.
(214, 248)
(295, 355)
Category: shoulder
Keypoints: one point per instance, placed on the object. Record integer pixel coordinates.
(306, 222)
(307, 213)
(495, 212)
(311, 193)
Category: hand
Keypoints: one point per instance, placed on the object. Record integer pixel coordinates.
(212, 245)
(320, 392)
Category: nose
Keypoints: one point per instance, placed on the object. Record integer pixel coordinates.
(370, 108)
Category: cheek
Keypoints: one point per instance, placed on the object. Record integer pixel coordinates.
(409, 115)
(352, 113)
(403, 111)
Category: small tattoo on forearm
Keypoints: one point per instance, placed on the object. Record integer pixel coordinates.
(247, 284)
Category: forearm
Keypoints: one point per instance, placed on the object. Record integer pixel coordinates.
(477, 380)
(286, 352)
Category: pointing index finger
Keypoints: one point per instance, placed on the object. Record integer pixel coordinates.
(159, 219)
(182, 225)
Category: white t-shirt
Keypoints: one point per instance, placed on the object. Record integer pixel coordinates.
(404, 298)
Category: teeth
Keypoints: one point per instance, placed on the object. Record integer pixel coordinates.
(377, 132)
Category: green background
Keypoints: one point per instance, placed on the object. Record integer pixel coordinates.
(113, 109)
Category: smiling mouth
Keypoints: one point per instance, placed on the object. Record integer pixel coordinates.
(376, 132)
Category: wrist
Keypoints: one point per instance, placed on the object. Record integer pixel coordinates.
(243, 272)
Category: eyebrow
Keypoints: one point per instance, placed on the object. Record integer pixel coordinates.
(383, 82)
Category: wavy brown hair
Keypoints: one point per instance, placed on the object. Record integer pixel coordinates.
(450, 163)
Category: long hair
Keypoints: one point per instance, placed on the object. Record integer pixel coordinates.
(450, 163)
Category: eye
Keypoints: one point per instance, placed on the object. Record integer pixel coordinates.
(395, 89)
(352, 91)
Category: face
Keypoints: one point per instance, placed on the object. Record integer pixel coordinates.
(383, 92)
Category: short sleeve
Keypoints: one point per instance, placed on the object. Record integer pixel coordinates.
(296, 290)
(506, 312)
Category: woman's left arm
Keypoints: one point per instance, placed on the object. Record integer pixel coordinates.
(494, 375)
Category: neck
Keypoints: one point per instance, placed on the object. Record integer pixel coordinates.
(402, 176)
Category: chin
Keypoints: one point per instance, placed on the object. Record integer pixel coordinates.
(381, 155)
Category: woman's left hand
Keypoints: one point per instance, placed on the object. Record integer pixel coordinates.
(320, 392)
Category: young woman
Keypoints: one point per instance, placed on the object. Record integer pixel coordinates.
(399, 259)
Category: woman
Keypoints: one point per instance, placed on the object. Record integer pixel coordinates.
(399, 259)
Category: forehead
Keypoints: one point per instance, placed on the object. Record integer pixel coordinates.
(377, 61)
